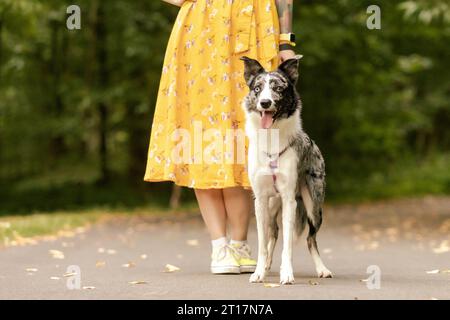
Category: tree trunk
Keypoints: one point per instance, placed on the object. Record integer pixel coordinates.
(136, 143)
(101, 85)
(1, 47)
(57, 146)
(175, 197)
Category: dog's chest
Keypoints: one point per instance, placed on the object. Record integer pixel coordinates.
(273, 175)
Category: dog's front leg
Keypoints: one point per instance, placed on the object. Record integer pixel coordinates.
(262, 215)
(289, 208)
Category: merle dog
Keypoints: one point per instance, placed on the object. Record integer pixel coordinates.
(287, 173)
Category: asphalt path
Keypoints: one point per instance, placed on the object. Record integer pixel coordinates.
(404, 245)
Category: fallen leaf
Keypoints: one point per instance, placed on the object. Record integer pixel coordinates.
(55, 278)
(67, 244)
(143, 256)
(271, 285)
(313, 283)
(129, 265)
(69, 274)
(31, 270)
(374, 245)
(433, 271)
(171, 268)
(138, 282)
(364, 280)
(193, 242)
(56, 254)
(100, 264)
(88, 288)
(5, 225)
(80, 230)
(66, 233)
(445, 271)
(443, 247)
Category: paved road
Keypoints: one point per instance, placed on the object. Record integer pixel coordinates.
(405, 239)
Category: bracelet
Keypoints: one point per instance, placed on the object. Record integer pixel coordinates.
(286, 46)
(293, 44)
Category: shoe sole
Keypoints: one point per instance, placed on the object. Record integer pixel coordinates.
(225, 270)
(247, 269)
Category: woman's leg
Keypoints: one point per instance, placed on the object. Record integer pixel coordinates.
(239, 209)
(212, 207)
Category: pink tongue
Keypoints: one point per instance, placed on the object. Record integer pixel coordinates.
(266, 120)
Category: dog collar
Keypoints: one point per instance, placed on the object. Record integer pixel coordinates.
(273, 164)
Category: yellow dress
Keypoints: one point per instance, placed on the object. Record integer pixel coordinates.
(202, 89)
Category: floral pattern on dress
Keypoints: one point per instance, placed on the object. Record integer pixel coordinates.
(202, 82)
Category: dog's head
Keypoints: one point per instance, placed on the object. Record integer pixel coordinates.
(272, 94)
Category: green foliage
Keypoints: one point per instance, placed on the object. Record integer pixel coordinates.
(375, 101)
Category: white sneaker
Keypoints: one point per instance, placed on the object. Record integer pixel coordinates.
(223, 260)
(244, 258)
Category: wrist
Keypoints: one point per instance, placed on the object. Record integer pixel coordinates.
(287, 36)
(286, 47)
(287, 40)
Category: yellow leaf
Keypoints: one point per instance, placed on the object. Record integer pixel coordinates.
(129, 265)
(313, 283)
(69, 274)
(100, 264)
(271, 285)
(138, 282)
(433, 271)
(193, 242)
(443, 247)
(5, 225)
(171, 268)
(31, 270)
(56, 254)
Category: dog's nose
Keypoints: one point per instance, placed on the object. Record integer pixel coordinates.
(266, 103)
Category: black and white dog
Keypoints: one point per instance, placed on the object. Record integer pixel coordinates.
(287, 173)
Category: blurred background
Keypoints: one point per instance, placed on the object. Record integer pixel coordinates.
(76, 106)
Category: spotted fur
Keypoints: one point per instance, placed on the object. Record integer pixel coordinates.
(298, 197)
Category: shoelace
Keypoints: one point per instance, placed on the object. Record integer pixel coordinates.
(222, 251)
(242, 251)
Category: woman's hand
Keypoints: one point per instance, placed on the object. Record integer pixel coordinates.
(286, 55)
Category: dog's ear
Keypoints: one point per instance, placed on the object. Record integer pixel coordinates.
(251, 69)
(290, 68)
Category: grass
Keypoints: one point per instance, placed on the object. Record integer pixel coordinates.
(18, 229)
(24, 229)
(47, 206)
(406, 178)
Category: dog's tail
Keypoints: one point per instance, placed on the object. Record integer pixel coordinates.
(301, 217)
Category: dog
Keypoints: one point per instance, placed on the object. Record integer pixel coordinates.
(287, 174)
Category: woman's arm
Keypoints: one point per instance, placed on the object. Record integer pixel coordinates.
(285, 8)
(285, 12)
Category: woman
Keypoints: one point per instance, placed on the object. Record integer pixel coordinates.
(199, 100)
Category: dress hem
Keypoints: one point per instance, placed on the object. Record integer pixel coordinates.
(202, 186)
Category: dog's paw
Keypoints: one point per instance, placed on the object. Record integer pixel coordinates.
(324, 273)
(257, 277)
(286, 277)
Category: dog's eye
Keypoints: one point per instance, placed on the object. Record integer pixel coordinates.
(279, 89)
(257, 89)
